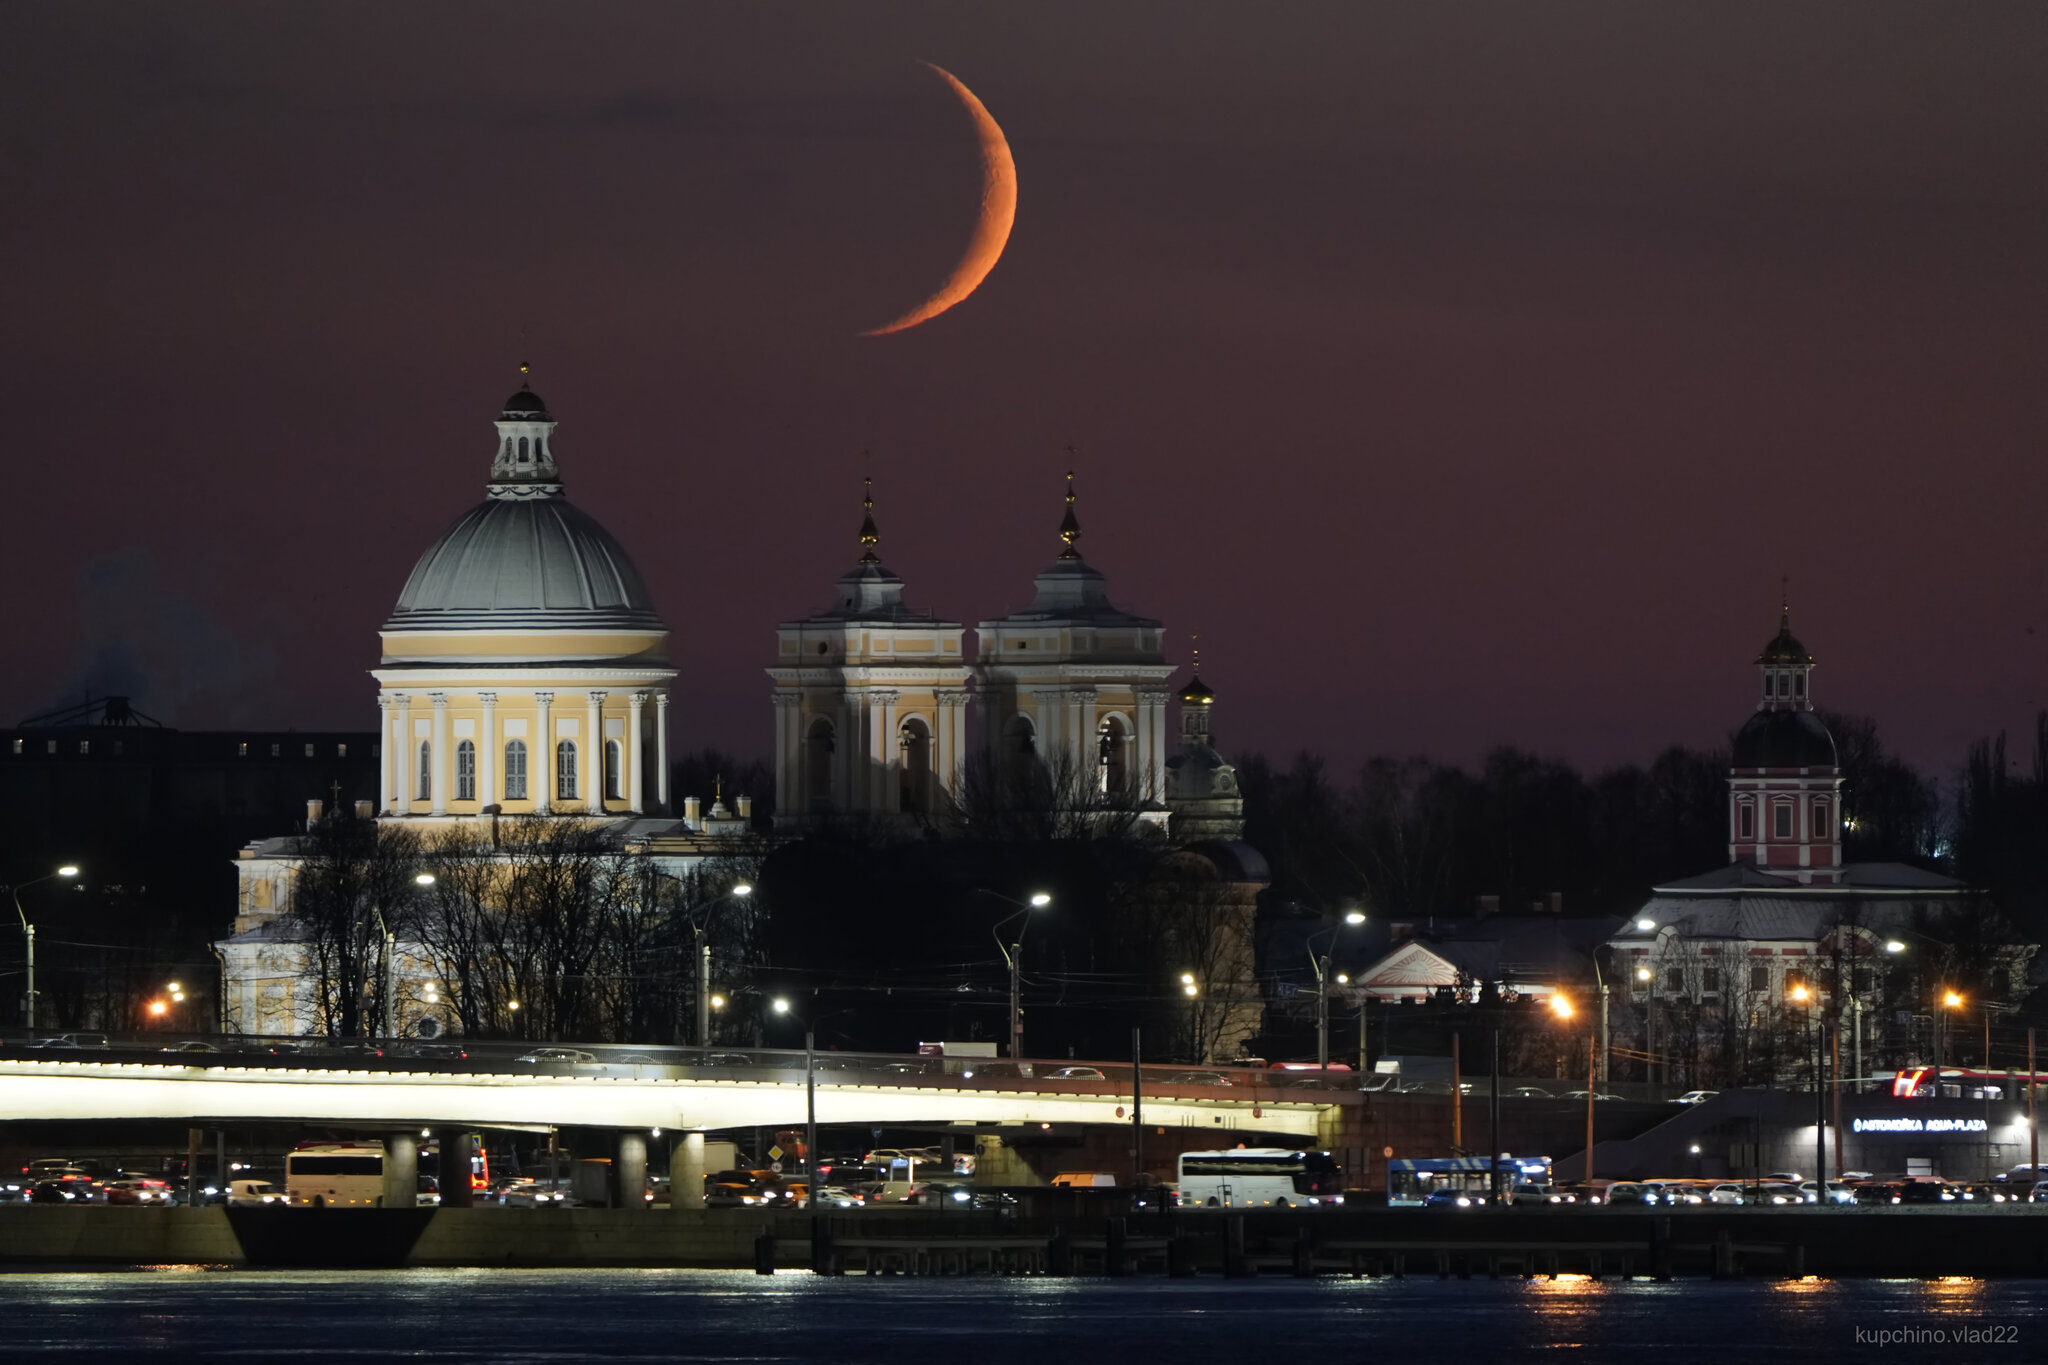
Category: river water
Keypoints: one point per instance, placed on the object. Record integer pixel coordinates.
(185, 1313)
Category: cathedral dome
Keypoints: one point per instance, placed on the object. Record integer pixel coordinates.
(525, 558)
(525, 563)
(1784, 739)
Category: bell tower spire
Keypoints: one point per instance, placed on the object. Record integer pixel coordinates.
(1070, 526)
(1785, 665)
(869, 536)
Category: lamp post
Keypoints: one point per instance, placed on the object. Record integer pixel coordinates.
(1561, 1005)
(781, 1007)
(1193, 991)
(1321, 963)
(702, 930)
(28, 937)
(1013, 956)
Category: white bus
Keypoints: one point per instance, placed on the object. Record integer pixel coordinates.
(1258, 1177)
(335, 1175)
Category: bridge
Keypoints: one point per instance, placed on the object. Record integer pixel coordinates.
(646, 1095)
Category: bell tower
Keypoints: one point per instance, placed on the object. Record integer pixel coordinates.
(1785, 783)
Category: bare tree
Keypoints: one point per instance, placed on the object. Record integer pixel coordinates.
(353, 881)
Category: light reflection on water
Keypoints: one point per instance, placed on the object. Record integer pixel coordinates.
(543, 1317)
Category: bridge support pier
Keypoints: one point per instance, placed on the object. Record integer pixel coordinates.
(686, 1174)
(456, 1150)
(629, 1169)
(401, 1170)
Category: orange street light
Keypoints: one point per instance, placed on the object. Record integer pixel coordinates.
(1562, 1006)
(1952, 1000)
(1799, 994)
(158, 1009)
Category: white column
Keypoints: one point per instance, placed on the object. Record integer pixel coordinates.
(592, 771)
(788, 798)
(404, 756)
(891, 799)
(384, 723)
(541, 763)
(634, 799)
(441, 767)
(1152, 741)
(1086, 751)
(487, 752)
(661, 749)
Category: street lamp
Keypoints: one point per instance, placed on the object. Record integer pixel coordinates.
(1321, 963)
(781, 1006)
(1013, 956)
(28, 935)
(702, 929)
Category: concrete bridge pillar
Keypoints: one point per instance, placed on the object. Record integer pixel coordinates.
(401, 1170)
(456, 1149)
(629, 1167)
(686, 1174)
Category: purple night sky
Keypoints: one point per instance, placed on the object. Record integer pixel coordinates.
(1462, 373)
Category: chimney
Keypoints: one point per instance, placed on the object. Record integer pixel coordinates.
(746, 805)
(693, 808)
(366, 810)
(314, 810)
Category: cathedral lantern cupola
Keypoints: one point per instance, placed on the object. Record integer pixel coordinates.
(1195, 701)
(1785, 782)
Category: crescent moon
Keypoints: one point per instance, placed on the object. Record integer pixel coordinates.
(991, 230)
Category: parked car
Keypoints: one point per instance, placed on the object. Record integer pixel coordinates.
(1837, 1193)
(1532, 1192)
(1877, 1193)
(1777, 1193)
(1928, 1192)
(1077, 1073)
(1630, 1194)
(1696, 1097)
(1530, 1092)
(1676, 1192)
(558, 1056)
(1727, 1192)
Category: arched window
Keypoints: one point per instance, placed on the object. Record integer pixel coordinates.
(465, 771)
(818, 747)
(614, 771)
(515, 770)
(522, 450)
(1112, 753)
(426, 784)
(917, 766)
(565, 770)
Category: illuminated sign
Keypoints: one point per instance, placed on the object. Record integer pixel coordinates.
(1920, 1126)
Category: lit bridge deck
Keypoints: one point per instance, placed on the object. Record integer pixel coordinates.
(507, 1095)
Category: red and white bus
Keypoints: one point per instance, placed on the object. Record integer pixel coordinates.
(1956, 1082)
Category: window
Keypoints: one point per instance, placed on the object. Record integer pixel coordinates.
(614, 770)
(1110, 753)
(426, 773)
(50, 746)
(818, 747)
(309, 751)
(1759, 978)
(242, 750)
(1781, 820)
(1745, 821)
(277, 751)
(341, 751)
(465, 771)
(1799, 684)
(1710, 980)
(1674, 980)
(1820, 820)
(915, 793)
(1784, 685)
(515, 770)
(565, 770)
(85, 746)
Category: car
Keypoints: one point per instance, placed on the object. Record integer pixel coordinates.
(193, 1045)
(734, 1189)
(1696, 1097)
(722, 1059)
(1878, 1193)
(839, 1197)
(1209, 1078)
(969, 1197)
(1453, 1199)
(1928, 1192)
(255, 1194)
(1837, 1193)
(1077, 1073)
(1630, 1194)
(2039, 1194)
(529, 1194)
(633, 1059)
(994, 1071)
(90, 1042)
(1533, 1192)
(557, 1056)
(1581, 1095)
(887, 1157)
(1530, 1092)
(1777, 1193)
(355, 1048)
(1789, 1177)
(1727, 1192)
(138, 1192)
(441, 1052)
(59, 1192)
(1676, 1191)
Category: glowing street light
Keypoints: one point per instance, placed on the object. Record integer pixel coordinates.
(1952, 1000)
(718, 1002)
(1040, 899)
(28, 935)
(1562, 1006)
(1643, 974)
(424, 879)
(1892, 945)
(780, 1005)
(1799, 992)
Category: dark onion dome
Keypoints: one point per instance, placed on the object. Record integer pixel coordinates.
(525, 564)
(1197, 692)
(1784, 650)
(525, 406)
(1784, 739)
